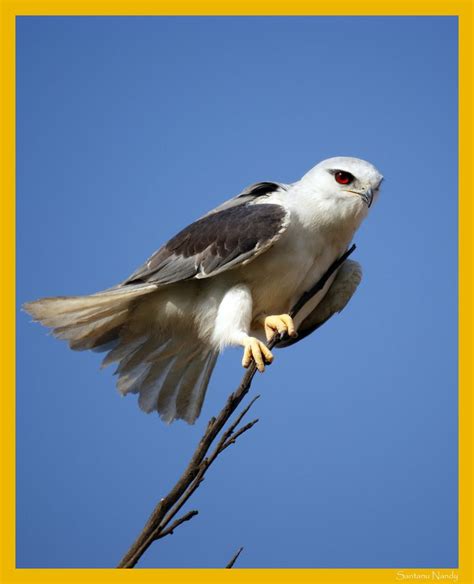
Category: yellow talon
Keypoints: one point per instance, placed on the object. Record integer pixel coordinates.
(257, 351)
(279, 323)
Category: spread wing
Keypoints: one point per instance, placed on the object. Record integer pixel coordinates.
(336, 298)
(233, 234)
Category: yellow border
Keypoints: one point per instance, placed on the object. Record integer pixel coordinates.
(8, 11)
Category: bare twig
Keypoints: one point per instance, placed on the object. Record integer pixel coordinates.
(182, 519)
(234, 558)
(158, 524)
(234, 437)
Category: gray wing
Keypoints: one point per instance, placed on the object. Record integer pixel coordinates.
(233, 234)
(336, 298)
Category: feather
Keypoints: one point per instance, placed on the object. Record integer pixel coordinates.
(193, 389)
(169, 372)
(214, 244)
(90, 321)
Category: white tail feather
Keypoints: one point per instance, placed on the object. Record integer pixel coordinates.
(87, 321)
(169, 370)
(170, 376)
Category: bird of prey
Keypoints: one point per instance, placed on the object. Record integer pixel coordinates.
(228, 279)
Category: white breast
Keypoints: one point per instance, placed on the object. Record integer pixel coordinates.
(320, 230)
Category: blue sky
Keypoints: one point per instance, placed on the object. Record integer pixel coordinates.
(130, 128)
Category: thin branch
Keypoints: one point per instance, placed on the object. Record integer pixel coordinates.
(234, 437)
(237, 421)
(172, 527)
(234, 558)
(230, 431)
(157, 525)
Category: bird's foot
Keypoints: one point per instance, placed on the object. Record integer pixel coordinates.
(279, 323)
(255, 350)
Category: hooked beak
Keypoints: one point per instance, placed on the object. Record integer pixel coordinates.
(367, 196)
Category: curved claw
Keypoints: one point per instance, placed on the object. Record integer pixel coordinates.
(255, 350)
(279, 323)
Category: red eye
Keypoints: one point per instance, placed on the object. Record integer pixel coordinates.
(343, 178)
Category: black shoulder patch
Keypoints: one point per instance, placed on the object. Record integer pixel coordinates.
(261, 188)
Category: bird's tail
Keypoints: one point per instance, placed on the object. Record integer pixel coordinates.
(170, 374)
(170, 370)
(87, 322)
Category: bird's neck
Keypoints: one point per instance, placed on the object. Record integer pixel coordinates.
(338, 216)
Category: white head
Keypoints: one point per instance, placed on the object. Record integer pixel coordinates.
(344, 177)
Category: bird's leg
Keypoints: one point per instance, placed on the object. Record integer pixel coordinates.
(278, 323)
(233, 323)
(257, 351)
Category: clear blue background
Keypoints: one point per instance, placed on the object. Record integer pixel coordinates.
(130, 128)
